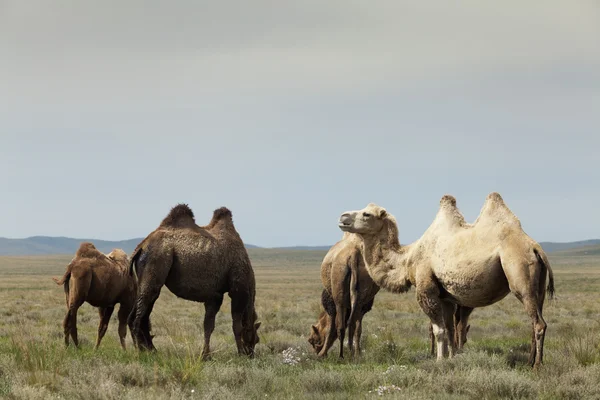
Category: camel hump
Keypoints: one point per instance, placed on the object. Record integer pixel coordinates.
(495, 208)
(448, 200)
(179, 215)
(494, 197)
(449, 214)
(222, 212)
(87, 250)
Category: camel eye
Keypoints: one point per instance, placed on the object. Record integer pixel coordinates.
(367, 215)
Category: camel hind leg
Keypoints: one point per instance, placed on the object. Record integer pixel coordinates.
(124, 311)
(527, 280)
(78, 289)
(105, 314)
(153, 276)
(211, 308)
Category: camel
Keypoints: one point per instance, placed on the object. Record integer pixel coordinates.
(342, 260)
(101, 280)
(455, 263)
(197, 263)
(345, 277)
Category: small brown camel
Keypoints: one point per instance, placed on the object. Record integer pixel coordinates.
(198, 263)
(472, 265)
(102, 281)
(339, 263)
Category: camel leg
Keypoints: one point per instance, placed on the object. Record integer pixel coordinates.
(123, 314)
(70, 323)
(141, 314)
(432, 340)
(340, 323)
(357, 334)
(462, 326)
(450, 332)
(105, 314)
(353, 324)
(211, 309)
(432, 306)
(539, 331)
(529, 286)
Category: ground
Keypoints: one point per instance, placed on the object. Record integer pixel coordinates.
(35, 365)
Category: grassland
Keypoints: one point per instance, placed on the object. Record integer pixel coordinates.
(35, 365)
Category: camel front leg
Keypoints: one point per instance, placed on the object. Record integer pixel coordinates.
(211, 309)
(432, 306)
(105, 314)
(448, 310)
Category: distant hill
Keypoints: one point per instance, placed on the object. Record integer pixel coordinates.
(304, 248)
(553, 246)
(46, 245)
(593, 250)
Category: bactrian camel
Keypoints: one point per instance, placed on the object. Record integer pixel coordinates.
(102, 281)
(472, 265)
(198, 263)
(340, 261)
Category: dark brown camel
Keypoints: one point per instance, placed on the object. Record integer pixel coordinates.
(102, 281)
(199, 264)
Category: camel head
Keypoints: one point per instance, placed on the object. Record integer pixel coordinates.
(250, 336)
(318, 333)
(368, 221)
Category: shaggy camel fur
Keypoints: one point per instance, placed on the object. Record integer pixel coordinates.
(102, 281)
(342, 260)
(199, 264)
(458, 263)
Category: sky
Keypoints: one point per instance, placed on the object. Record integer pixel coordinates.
(290, 113)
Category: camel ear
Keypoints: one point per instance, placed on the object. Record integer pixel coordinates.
(315, 330)
(257, 325)
(382, 213)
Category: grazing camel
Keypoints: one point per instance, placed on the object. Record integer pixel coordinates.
(102, 281)
(472, 265)
(342, 260)
(198, 263)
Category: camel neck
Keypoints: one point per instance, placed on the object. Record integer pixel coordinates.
(388, 263)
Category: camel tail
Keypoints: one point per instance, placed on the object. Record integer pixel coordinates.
(353, 272)
(543, 260)
(65, 282)
(132, 264)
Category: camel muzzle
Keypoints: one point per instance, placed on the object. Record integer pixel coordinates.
(345, 221)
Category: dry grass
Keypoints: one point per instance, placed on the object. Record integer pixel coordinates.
(34, 364)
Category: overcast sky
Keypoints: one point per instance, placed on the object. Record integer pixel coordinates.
(291, 112)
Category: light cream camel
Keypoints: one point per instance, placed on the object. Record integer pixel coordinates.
(458, 263)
